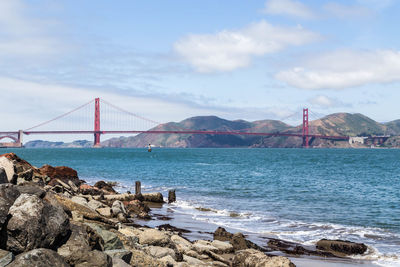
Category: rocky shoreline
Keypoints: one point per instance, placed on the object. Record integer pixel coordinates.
(49, 217)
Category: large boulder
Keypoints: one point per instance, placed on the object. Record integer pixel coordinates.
(3, 176)
(293, 248)
(39, 258)
(94, 258)
(223, 247)
(35, 223)
(86, 189)
(73, 207)
(17, 169)
(111, 240)
(341, 248)
(136, 208)
(122, 254)
(8, 194)
(203, 247)
(94, 204)
(118, 207)
(153, 237)
(5, 257)
(107, 188)
(63, 173)
(153, 197)
(160, 252)
(255, 258)
(117, 262)
(82, 241)
(237, 240)
(139, 258)
(183, 245)
(31, 188)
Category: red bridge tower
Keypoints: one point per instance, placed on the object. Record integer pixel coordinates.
(305, 127)
(96, 122)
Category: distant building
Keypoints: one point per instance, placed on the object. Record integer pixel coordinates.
(358, 139)
(368, 140)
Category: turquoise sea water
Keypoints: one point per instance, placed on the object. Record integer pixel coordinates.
(294, 194)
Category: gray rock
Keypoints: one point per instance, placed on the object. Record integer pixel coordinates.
(95, 258)
(31, 188)
(117, 262)
(193, 261)
(237, 240)
(106, 211)
(94, 204)
(8, 167)
(181, 243)
(117, 208)
(80, 200)
(202, 246)
(223, 247)
(82, 241)
(252, 257)
(153, 237)
(3, 176)
(160, 252)
(5, 257)
(153, 197)
(169, 260)
(141, 259)
(341, 248)
(8, 194)
(39, 258)
(35, 223)
(111, 240)
(74, 188)
(122, 254)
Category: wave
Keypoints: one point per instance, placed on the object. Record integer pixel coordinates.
(384, 246)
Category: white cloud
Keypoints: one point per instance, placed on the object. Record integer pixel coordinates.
(229, 50)
(23, 36)
(346, 11)
(345, 69)
(288, 7)
(324, 101)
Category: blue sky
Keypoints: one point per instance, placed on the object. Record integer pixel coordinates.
(169, 60)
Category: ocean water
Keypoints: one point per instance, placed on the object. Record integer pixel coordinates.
(301, 195)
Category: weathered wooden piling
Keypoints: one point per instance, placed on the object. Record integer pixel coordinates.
(138, 188)
(171, 196)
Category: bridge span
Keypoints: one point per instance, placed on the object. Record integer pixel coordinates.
(17, 136)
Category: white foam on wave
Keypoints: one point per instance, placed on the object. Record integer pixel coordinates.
(379, 253)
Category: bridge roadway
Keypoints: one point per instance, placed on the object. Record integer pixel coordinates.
(184, 132)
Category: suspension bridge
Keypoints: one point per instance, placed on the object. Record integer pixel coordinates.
(99, 117)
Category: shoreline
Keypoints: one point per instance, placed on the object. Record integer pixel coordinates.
(204, 230)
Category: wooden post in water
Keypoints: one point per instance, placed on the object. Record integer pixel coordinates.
(171, 196)
(138, 188)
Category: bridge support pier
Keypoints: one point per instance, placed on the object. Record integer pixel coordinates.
(305, 128)
(20, 137)
(96, 142)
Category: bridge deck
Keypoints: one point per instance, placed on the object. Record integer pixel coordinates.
(186, 132)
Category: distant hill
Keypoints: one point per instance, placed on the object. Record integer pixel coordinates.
(345, 124)
(393, 127)
(348, 124)
(48, 144)
(198, 140)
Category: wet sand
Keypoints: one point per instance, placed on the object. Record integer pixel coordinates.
(204, 230)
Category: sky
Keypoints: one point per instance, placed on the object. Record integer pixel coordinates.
(170, 60)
